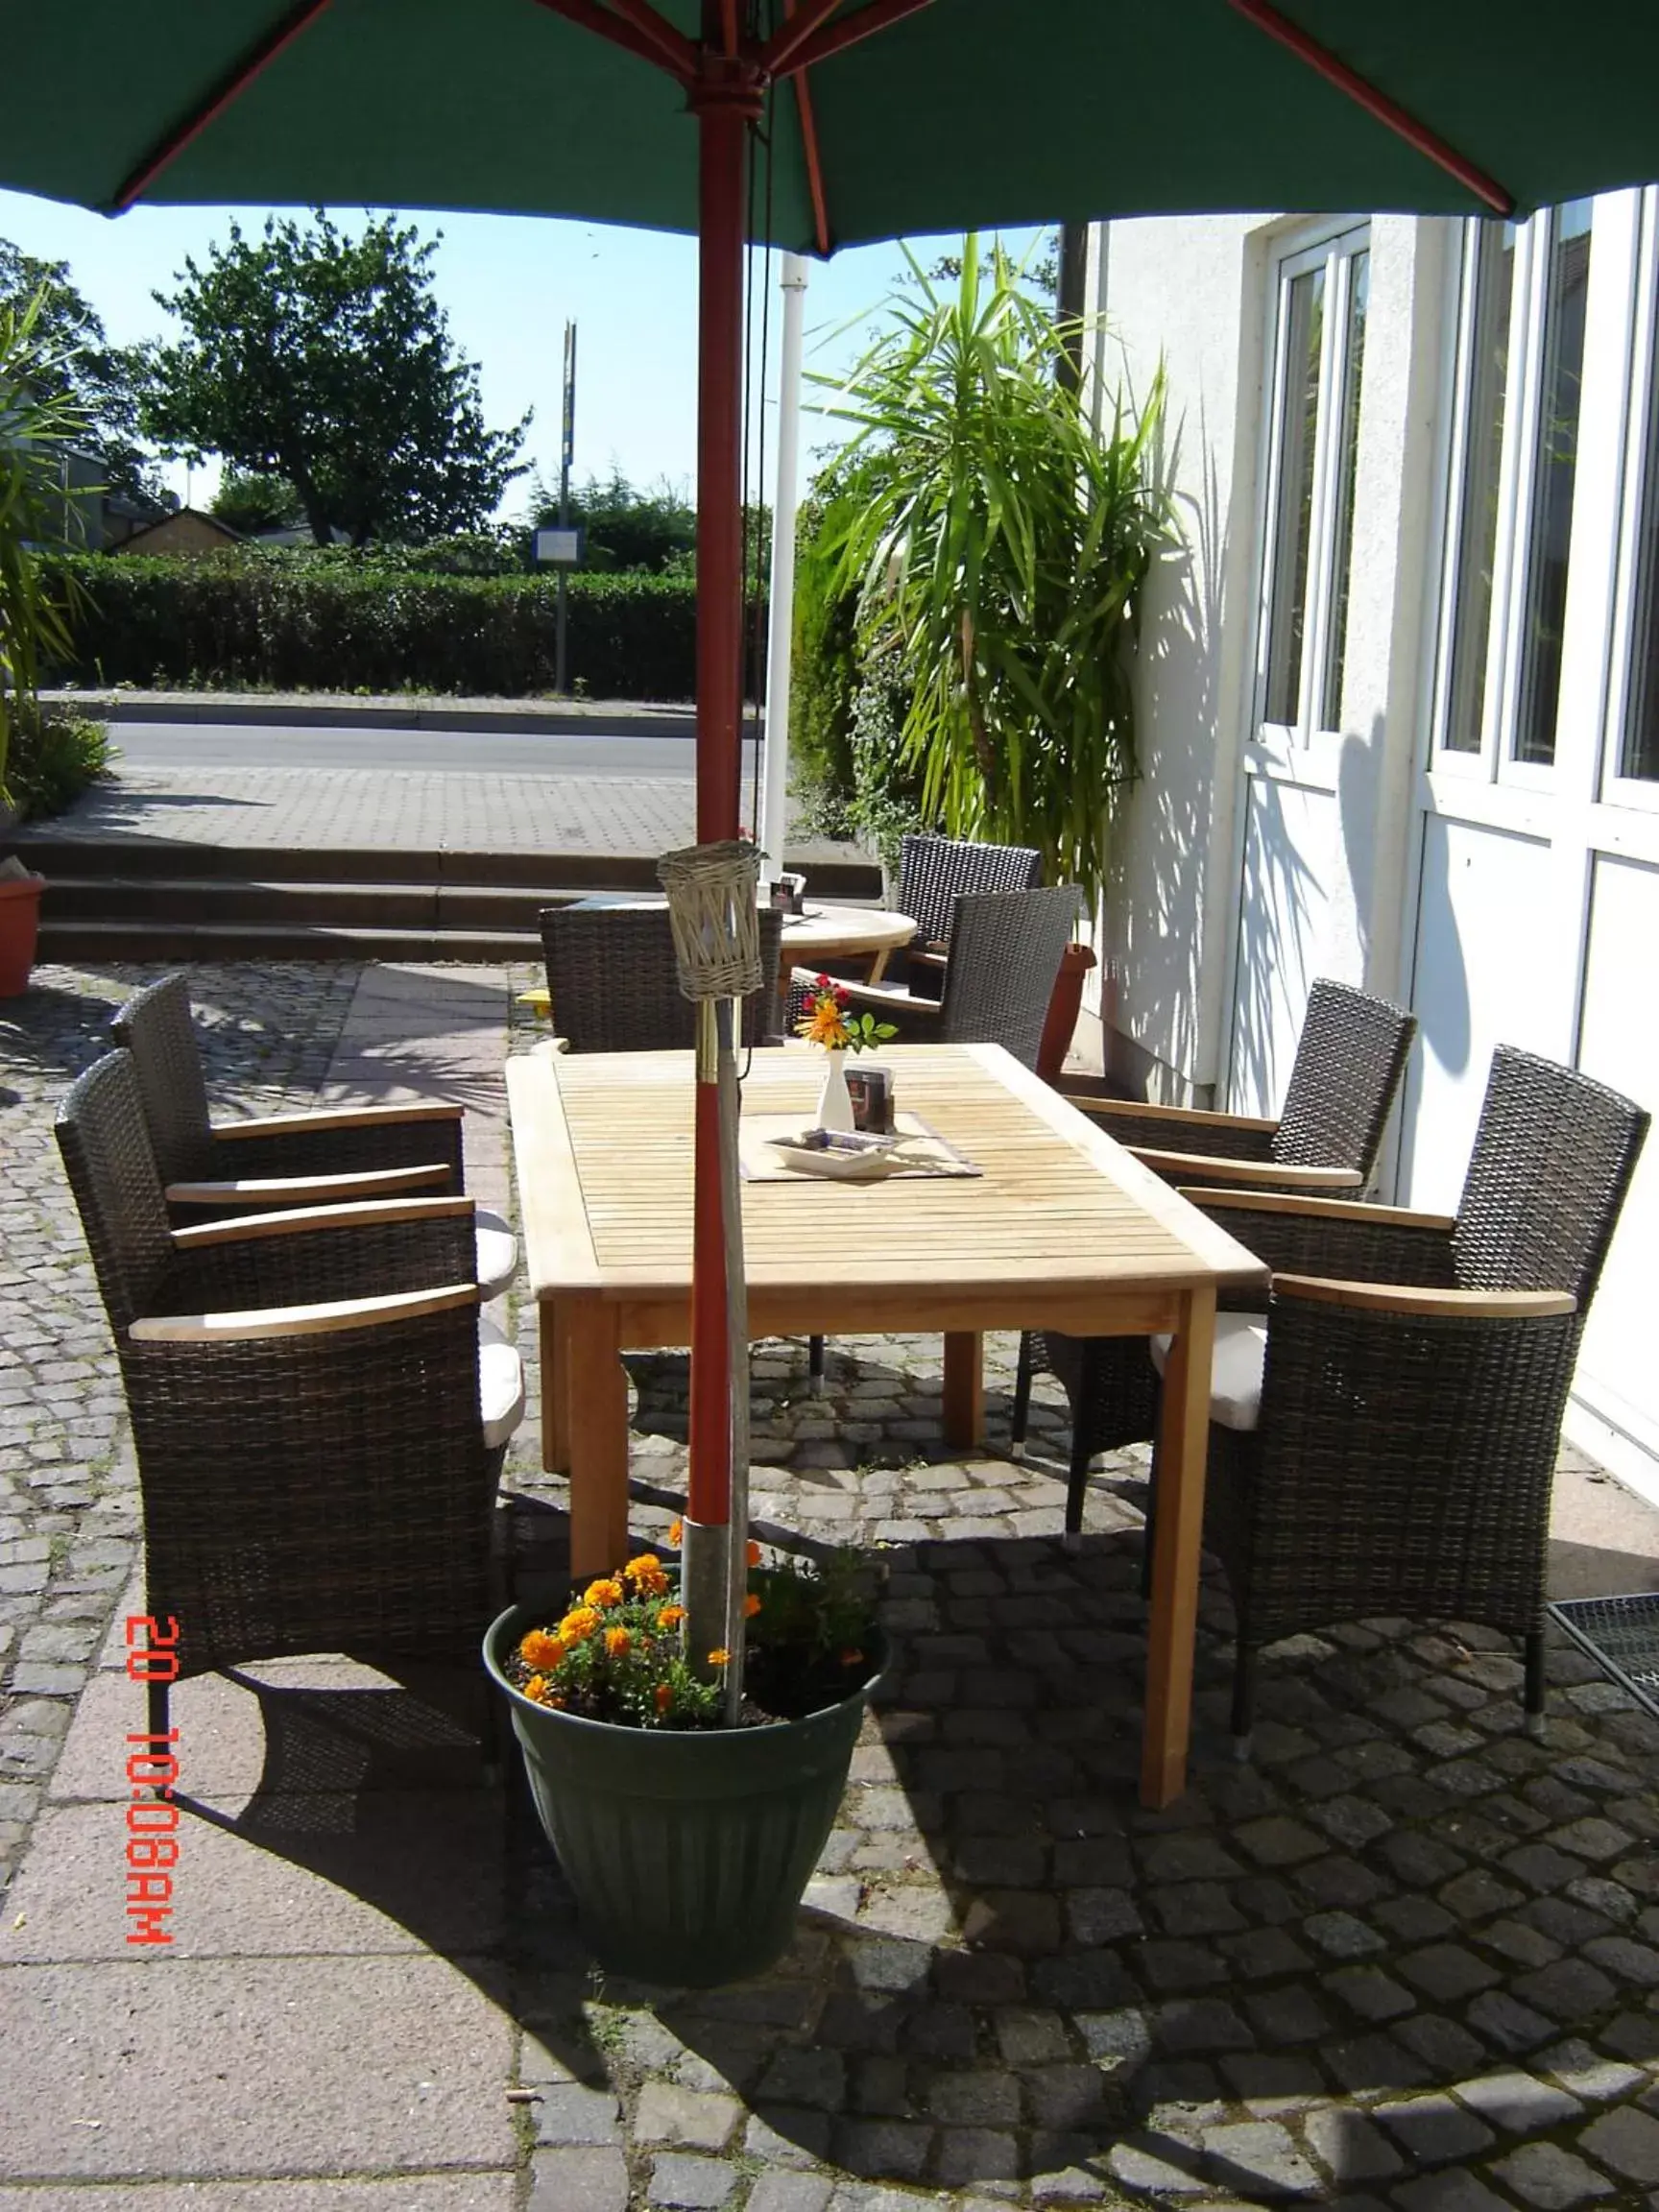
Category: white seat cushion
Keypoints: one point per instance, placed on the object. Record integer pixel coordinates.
(500, 1385)
(1234, 1372)
(498, 1253)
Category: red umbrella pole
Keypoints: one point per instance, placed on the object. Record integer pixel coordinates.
(725, 98)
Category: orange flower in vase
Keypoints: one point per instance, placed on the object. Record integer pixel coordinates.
(828, 1024)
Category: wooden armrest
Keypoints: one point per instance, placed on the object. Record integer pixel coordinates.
(302, 1220)
(325, 1117)
(892, 997)
(1249, 1172)
(296, 1190)
(1322, 1209)
(927, 956)
(1194, 1117)
(1440, 1304)
(300, 1320)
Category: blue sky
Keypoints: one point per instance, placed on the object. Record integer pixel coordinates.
(509, 284)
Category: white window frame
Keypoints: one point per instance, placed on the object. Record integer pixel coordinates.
(1333, 250)
(1641, 487)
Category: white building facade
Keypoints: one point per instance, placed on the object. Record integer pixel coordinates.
(1400, 685)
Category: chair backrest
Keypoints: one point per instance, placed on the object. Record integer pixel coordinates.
(117, 1185)
(935, 872)
(1005, 952)
(156, 1029)
(1350, 1063)
(1553, 1156)
(614, 986)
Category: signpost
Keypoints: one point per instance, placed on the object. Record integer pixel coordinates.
(566, 449)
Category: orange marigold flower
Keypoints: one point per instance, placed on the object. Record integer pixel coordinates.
(647, 1564)
(720, 1658)
(751, 1606)
(536, 1688)
(579, 1625)
(540, 1652)
(671, 1615)
(607, 1591)
(662, 1696)
(676, 1535)
(754, 1553)
(617, 1641)
(824, 1026)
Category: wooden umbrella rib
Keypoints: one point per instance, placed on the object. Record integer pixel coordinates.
(236, 79)
(1364, 94)
(672, 46)
(814, 163)
(836, 37)
(793, 32)
(633, 37)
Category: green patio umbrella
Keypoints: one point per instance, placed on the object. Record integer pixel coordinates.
(881, 117)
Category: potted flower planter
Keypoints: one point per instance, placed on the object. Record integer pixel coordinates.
(688, 1849)
(19, 927)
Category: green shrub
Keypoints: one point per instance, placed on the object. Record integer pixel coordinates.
(55, 755)
(255, 618)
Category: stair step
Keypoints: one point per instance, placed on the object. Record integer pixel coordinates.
(154, 899)
(209, 941)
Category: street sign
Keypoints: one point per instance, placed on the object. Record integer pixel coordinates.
(560, 547)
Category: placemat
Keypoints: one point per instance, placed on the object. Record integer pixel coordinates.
(925, 1153)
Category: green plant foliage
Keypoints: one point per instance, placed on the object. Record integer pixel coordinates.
(824, 662)
(325, 360)
(77, 363)
(258, 618)
(55, 755)
(38, 421)
(999, 547)
(249, 501)
(886, 799)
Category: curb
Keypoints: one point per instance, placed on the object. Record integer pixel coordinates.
(565, 718)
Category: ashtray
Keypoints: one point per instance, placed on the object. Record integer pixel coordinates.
(831, 1152)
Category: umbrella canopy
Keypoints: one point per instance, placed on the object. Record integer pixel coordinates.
(963, 113)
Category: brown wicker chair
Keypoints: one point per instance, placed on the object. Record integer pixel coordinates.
(1414, 1377)
(1350, 1062)
(1005, 952)
(320, 1427)
(614, 986)
(933, 874)
(331, 1156)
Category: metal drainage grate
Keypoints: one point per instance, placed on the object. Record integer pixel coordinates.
(1622, 1635)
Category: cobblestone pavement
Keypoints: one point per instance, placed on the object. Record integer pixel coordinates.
(1408, 1959)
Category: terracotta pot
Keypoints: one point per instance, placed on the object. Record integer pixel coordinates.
(1064, 1004)
(19, 925)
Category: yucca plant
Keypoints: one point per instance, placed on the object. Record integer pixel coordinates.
(36, 600)
(1000, 550)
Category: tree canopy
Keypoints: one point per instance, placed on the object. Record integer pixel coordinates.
(325, 360)
(72, 361)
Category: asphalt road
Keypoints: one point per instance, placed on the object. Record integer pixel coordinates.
(184, 745)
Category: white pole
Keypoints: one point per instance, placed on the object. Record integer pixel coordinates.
(780, 617)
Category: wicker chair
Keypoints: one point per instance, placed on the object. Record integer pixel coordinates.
(328, 1157)
(1350, 1063)
(1396, 1454)
(1005, 952)
(320, 1420)
(614, 986)
(933, 874)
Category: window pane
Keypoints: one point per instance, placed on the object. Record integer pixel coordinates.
(1556, 469)
(1482, 460)
(1353, 363)
(1639, 754)
(1293, 519)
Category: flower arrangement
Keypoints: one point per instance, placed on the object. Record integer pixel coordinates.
(618, 1654)
(829, 1023)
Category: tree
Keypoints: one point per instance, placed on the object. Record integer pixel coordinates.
(325, 359)
(74, 362)
(249, 501)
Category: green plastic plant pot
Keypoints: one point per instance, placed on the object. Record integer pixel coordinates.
(687, 1851)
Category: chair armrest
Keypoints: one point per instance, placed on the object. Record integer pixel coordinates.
(310, 1189)
(1267, 1175)
(303, 1220)
(325, 1119)
(1435, 1305)
(316, 1320)
(371, 1250)
(1176, 1129)
(1334, 1238)
(889, 999)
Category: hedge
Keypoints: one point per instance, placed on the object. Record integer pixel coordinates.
(256, 620)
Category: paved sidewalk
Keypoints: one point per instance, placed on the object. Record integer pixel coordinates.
(383, 711)
(1406, 1961)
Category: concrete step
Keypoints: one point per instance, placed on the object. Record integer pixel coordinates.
(154, 902)
(99, 942)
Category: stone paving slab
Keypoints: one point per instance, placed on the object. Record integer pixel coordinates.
(410, 2193)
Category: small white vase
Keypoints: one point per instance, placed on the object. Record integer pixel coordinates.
(834, 1101)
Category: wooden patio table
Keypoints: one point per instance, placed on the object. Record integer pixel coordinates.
(1062, 1229)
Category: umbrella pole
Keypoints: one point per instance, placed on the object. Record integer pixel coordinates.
(725, 99)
